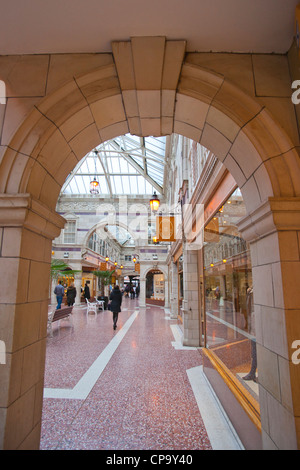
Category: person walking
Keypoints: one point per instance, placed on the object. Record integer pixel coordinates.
(115, 305)
(71, 294)
(59, 292)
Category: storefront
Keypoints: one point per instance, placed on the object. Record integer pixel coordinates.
(155, 287)
(229, 326)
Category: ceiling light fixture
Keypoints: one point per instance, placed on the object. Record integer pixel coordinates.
(154, 202)
(94, 184)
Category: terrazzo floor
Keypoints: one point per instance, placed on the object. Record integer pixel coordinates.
(124, 389)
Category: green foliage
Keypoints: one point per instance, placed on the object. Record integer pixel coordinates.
(104, 278)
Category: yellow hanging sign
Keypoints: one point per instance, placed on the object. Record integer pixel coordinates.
(137, 267)
(165, 228)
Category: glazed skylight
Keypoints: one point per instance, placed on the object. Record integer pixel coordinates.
(126, 165)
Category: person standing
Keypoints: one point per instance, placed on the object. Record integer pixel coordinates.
(59, 292)
(137, 291)
(251, 328)
(71, 294)
(115, 305)
(87, 294)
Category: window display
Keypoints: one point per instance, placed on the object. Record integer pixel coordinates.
(230, 324)
(155, 285)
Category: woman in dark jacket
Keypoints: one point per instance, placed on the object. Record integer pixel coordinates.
(71, 294)
(115, 304)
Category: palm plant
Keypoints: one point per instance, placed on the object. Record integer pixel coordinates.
(104, 279)
(59, 269)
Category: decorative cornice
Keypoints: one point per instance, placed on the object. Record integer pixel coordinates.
(22, 210)
(276, 214)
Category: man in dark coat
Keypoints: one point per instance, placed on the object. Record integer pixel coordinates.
(115, 305)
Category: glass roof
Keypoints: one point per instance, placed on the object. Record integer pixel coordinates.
(125, 165)
(120, 234)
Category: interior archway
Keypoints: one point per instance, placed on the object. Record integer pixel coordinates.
(64, 127)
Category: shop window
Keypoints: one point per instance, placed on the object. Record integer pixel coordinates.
(155, 287)
(230, 324)
(70, 232)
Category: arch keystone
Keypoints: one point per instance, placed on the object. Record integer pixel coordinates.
(149, 70)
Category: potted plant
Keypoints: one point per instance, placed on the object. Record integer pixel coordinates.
(60, 269)
(104, 279)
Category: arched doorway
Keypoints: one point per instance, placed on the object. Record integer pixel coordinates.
(155, 287)
(111, 101)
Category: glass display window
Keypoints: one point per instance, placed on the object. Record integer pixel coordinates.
(228, 290)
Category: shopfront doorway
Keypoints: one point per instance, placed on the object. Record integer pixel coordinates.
(155, 287)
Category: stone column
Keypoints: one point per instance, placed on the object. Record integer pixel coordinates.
(174, 291)
(27, 229)
(190, 304)
(273, 233)
(142, 296)
(166, 281)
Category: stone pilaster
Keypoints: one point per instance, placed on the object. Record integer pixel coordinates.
(273, 233)
(77, 284)
(174, 291)
(190, 304)
(27, 228)
(167, 303)
(142, 296)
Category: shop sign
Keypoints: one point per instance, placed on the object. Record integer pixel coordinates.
(137, 267)
(165, 228)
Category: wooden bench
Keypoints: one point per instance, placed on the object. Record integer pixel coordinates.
(57, 315)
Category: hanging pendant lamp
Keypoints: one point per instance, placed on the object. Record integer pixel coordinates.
(94, 184)
(154, 202)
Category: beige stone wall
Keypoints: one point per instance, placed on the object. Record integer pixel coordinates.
(27, 229)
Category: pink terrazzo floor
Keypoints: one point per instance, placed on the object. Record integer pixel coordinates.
(143, 398)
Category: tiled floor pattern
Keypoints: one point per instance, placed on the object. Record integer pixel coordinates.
(133, 388)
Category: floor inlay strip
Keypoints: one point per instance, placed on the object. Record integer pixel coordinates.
(88, 380)
(221, 433)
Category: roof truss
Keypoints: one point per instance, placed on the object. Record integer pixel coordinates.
(144, 157)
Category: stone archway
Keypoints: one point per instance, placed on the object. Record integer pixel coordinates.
(145, 269)
(155, 292)
(100, 225)
(149, 90)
